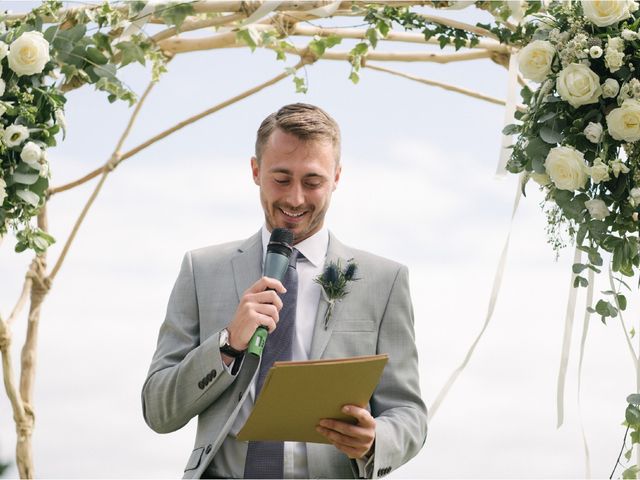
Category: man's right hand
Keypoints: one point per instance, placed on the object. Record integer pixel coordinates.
(258, 306)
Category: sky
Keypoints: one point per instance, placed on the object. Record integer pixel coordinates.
(418, 185)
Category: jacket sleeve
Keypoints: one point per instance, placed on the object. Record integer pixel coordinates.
(400, 413)
(185, 376)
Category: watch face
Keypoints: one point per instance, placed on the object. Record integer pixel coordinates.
(224, 337)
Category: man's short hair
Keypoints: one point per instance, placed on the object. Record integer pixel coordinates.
(306, 122)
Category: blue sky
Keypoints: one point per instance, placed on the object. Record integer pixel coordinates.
(418, 185)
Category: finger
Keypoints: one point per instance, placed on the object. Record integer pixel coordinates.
(350, 451)
(268, 296)
(266, 282)
(361, 414)
(360, 434)
(268, 310)
(266, 321)
(340, 439)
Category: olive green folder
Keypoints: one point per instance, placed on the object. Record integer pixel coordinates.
(296, 395)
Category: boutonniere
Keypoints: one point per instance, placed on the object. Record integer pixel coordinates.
(334, 282)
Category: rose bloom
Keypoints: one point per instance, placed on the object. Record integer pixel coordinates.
(593, 132)
(599, 171)
(567, 168)
(617, 167)
(597, 209)
(31, 154)
(629, 35)
(610, 88)
(578, 85)
(595, 51)
(3, 191)
(624, 122)
(634, 197)
(535, 60)
(607, 12)
(614, 60)
(28, 54)
(15, 135)
(4, 49)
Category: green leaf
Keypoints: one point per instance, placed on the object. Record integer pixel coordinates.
(578, 267)
(249, 37)
(360, 49)
(634, 398)
(550, 136)
(580, 282)
(632, 415)
(372, 36)
(622, 301)
(131, 52)
(332, 41)
(175, 13)
(300, 84)
(511, 129)
(635, 437)
(354, 77)
(95, 56)
(631, 472)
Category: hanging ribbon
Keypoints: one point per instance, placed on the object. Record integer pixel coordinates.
(497, 281)
(510, 109)
(566, 343)
(585, 331)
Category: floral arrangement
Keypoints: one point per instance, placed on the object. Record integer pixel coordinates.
(578, 136)
(38, 66)
(334, 280)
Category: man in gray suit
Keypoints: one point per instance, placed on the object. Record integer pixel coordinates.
(220, 298)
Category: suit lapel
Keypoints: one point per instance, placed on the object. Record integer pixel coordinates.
(247, 263)
(335, 251)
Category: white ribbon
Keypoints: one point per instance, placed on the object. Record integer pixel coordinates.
(566, 343)
(325, 11)
(497, 281)
(262, 11)
(585, 331)
(510, 109)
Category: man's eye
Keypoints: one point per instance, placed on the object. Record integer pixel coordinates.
(281, 181)
(312, 184)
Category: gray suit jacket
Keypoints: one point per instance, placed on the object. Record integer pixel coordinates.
(187, 377)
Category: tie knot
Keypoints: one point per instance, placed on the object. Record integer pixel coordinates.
(295, 256)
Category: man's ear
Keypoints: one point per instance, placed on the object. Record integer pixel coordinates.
(336, 178)
(255, 170)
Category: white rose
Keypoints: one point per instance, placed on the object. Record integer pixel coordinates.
(618, 167)
(578, 85)
(595, 51)
(615, 43)
(566, 167)
(4, 50)
(634, 196)
(541, 179)
(606, 12)
(593, 132)
(629, 35)
(623, 122)
(28, 54)
(613, 60)
(3, 190)
(597, 209)
(610, 88)
(535, 60)
(31, 155)
(15, 135)
(599, 172)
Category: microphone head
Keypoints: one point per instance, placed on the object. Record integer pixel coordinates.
(280, 242)
(281, 235)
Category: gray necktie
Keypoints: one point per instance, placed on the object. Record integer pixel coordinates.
(265, 459)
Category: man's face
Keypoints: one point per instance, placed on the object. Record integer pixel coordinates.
(296, 180)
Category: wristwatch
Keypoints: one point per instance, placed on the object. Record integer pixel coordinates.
(226, 348)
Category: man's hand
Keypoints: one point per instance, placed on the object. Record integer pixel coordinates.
(258, 306)
(354, 440)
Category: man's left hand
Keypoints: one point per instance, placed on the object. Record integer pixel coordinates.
(353, 440)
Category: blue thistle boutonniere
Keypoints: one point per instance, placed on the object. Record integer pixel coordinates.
(334, 282)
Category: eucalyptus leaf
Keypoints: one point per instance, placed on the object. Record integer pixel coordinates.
(25, 178)
(550, 136)
(634, 398)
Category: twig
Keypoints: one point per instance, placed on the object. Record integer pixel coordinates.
(624, 442)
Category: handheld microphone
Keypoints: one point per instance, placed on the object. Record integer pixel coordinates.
(275, 266)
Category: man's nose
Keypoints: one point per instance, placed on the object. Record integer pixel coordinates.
(295, 195)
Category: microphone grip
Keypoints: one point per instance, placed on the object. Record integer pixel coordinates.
(275, 266)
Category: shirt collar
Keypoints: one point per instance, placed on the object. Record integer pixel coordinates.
(313, 248)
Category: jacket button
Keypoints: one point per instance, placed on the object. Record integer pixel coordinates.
(209, 377)
(201, 385)
(208, 449)
(214, 373)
